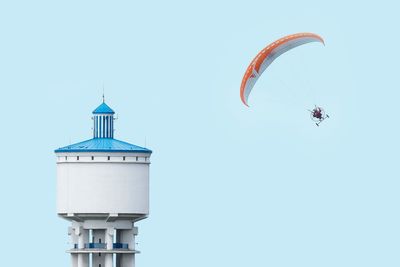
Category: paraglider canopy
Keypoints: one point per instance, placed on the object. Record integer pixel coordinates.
(266, 56)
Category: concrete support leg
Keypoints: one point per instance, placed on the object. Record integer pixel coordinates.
(98, 259)
(118, 256)
(127, 260)
(109, 240)
(117, 260)
(74, 240)
(127, 236)
(83, 237)
(74, 260)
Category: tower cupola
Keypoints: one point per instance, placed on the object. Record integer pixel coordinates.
(103, 121)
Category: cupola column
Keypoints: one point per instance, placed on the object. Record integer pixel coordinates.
(103, 126)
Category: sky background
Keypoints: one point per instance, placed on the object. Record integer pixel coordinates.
(230, 185)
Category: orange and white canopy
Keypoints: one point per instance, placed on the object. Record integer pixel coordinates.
(266, 56)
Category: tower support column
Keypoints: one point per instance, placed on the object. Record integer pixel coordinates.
(127, 236)
(98, 236)
(83, 237)
(109, 241)
(74, 240)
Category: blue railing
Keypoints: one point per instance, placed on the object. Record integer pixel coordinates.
(120, 246)
(96, 245)
(104, 245)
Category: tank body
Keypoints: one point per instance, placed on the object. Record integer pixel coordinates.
(103, 183)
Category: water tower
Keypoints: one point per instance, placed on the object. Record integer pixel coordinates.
(103, 189)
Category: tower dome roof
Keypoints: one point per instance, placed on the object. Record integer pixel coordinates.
(103, 145)
(103, 109)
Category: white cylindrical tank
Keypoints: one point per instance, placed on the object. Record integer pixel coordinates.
(103, 183)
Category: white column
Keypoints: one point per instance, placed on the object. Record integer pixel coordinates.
(98, 237)
(109, 240)
(106, 126)
(83, 237)
(127, 236)
(74, 240)
(109, 126)
(117, 255)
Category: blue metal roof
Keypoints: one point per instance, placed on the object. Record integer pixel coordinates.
(103, 145)
(103, 109)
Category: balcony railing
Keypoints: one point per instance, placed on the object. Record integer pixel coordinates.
(96, 245)
(104, 246)
(120, 246)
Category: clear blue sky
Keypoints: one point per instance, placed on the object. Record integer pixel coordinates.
(230, 185)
